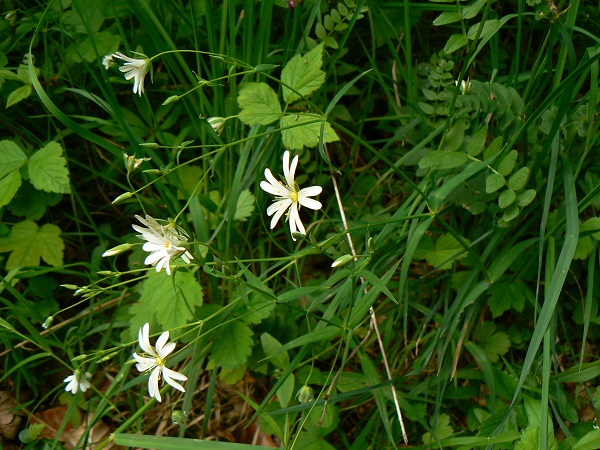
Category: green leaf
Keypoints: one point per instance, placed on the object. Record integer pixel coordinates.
(455, 42)
(494, 343)
(286, 391)
(472, 9)
(494, 182)
(47, 171)
(105, 42)
(592, 224)
(245, 205)
(9, 185)
(11, 157)
(232, 344)
(31, 203)
(589, 441)
(258, 103)
(447, 17)
(530, 440)
(510, 213)
(28, 243)
(506, 198)
(305, 135)
(518, 180)
(477, 142)
(259, 307)
(506, 295)
(490, 27)
(271, 347)
(455, 136)
(303, 74)
(21, 93)
(320, 31)
(507, 164)
(525, 198)
(584, 248)
(439, 430)
(494, 148)
(447, 250)
(441, 160)
(173, 299)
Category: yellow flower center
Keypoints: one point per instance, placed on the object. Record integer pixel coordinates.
(294, 196)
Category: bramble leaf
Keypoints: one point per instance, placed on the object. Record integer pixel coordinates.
(11, 157)
(305, 135)
(21, 93)
(258, 103)
(47, 171)
(303, 74)
(173, 299)
(232, 344)
(439, 430)
(493, 343)
(245, 205)
(9, 185)
(28, 243)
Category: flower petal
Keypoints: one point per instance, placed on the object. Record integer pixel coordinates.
(170, 376)
(310, 191)
(309, 202)
(144, 339)
(153, 388)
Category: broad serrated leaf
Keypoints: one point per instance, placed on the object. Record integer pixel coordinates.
(28, 243)
(518, 180)
(232, 344)
(525, 198)
(447, 250)
(530, 440)
(31, 203)
(441, 160)
(9, 185)
(494, 182)
(47, 171)
(455, 42)
(305, 135)
(477, 142)
(245, 205)
(258, 103)
(506, 198)
(173, 299)
(507, 164)
(303, 74)
(271, 346)
(493, 343)
(439, 430)
(584, 248)
(506, 295)
(21, 93)
(11, 157)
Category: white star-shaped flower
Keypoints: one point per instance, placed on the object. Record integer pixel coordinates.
(155, 362)
(135, 68)
(78, 381)
(163, 243)
(289, 197)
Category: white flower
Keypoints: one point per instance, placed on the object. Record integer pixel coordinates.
(155, 362)
(288, 197)
(108, 61)
(163, 243)
(132, 163)
(79, 380)
(135, 68)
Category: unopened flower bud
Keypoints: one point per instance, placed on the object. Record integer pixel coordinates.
(122, 197)
(116, 250)
(342, 260)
